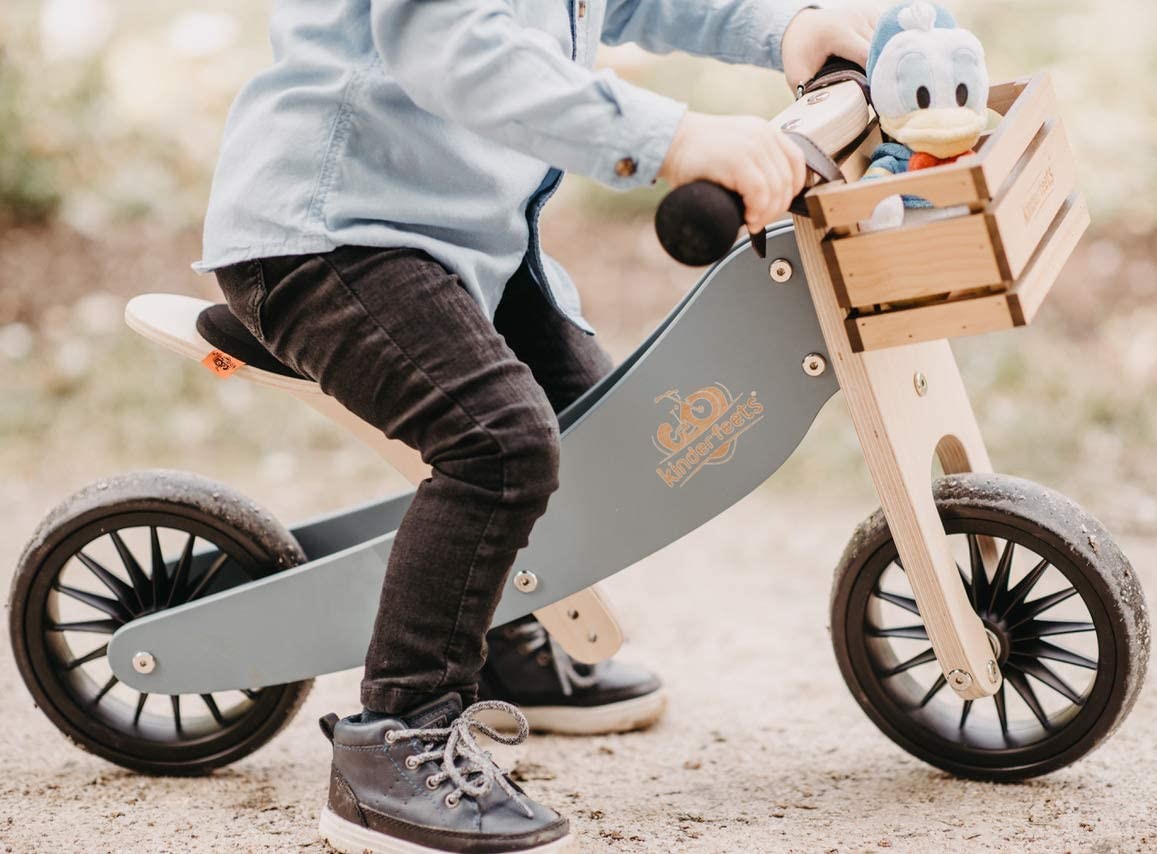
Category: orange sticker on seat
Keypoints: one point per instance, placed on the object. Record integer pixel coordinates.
(222, 364)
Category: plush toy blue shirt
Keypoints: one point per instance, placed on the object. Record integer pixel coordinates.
(929, 86)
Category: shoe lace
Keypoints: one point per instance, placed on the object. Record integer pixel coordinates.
(463, 760)
(534, 637)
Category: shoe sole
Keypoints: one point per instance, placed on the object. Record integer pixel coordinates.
(623, 716)
(350, 838)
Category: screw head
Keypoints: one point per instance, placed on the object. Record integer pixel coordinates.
(780, 270)
(143, 662)
(921, 383)
(993, 672)
(790, 124)
(525, 581)
(818, 97)
(961, 680)
(814, 364)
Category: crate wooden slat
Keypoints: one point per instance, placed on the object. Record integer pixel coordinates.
(914, 262)
(841, 205)
(1001, 96)
(1055, 250)
(1034, 105)
(955, 318)
(1024, 212)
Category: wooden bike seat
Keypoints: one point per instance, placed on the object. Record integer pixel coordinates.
(221, 328)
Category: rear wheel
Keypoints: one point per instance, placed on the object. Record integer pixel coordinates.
(120, 550)
(1063, 610)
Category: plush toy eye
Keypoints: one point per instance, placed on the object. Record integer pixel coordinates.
(971, 79)
(924, 98)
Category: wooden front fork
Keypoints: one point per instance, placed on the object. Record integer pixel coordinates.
(908, 404)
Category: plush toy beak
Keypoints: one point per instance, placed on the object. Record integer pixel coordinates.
(941, 132)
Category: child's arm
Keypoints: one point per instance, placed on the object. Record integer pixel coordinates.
(795, 36)
(473, 62)
(748, 32)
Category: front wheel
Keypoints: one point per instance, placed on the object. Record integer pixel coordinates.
(120, 550)
(1063, 610)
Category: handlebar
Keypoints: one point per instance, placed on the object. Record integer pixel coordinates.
(697, 223)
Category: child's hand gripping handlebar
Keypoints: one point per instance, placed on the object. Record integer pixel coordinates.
(697, 222)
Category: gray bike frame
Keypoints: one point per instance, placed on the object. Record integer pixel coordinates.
(738, 339)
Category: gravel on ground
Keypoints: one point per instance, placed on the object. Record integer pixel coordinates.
(763, 748)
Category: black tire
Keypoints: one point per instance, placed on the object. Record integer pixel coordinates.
(903, 692)
(62, 595)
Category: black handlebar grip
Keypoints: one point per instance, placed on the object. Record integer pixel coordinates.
(697, 223)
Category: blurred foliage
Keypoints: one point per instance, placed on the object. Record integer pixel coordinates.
(28, 188)
(122, 101)
(1102, 55)
(126, 100)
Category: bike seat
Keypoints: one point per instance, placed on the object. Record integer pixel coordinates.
(175, 322)
(221, 328)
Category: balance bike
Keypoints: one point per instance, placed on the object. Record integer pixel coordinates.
(987, 625)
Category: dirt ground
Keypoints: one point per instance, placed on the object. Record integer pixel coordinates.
(763, 748)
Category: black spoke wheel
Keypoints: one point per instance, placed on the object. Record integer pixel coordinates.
(115, 552)
(1063, 611)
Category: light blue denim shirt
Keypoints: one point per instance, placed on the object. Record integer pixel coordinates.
(444, 125)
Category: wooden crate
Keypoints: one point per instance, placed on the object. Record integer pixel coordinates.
(988, 267)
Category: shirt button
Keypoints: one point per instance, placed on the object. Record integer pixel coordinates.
(582, 9)
(626, 167)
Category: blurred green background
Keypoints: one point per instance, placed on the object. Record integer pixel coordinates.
(110, 115)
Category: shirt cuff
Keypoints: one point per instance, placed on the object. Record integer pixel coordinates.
(640, 136)
(769, 21)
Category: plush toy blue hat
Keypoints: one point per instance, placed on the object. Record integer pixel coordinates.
(889, 26)
(928, 80)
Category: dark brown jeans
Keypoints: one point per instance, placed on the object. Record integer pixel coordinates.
(394, 337)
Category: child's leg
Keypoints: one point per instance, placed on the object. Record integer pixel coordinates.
(564, 360)
(395, 338)
(523, 666)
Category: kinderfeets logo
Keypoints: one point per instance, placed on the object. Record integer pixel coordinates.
(703, 430)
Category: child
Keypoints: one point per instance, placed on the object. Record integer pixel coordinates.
(373, 222)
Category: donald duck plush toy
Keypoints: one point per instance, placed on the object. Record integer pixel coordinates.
(929, 87)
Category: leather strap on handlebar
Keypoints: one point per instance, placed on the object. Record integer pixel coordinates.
(817, 159)
(836, 70)
(818, 162)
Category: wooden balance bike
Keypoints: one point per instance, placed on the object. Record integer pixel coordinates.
(986, 624)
